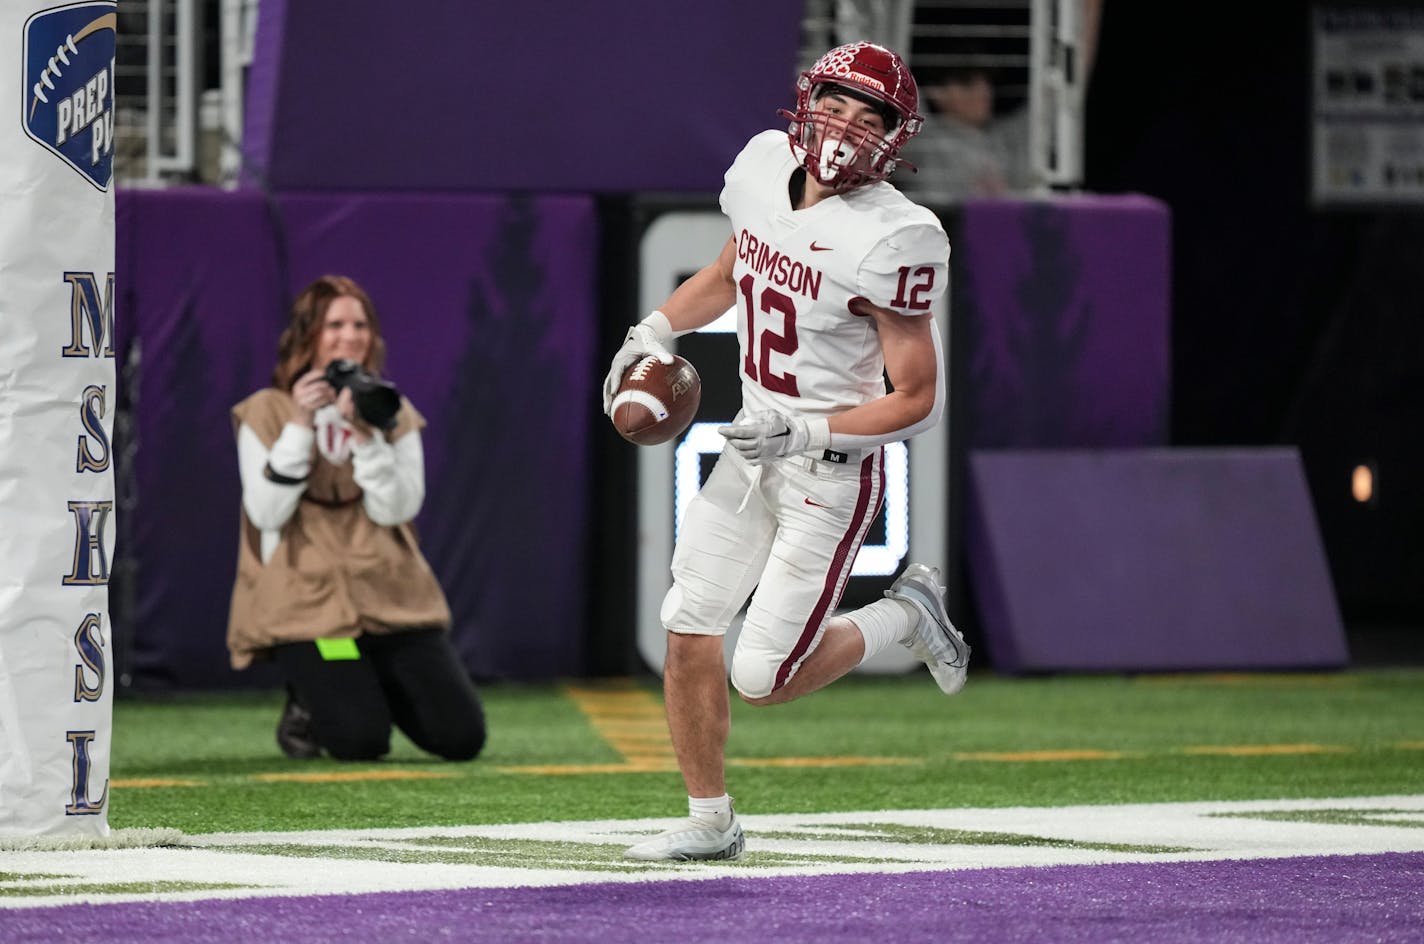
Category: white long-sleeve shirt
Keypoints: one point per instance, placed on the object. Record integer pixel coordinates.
(391, 475)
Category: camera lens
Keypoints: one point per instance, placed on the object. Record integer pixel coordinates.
(376, 400)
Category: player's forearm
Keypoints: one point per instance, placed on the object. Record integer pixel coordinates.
(913, 407)
(699, 301)
(890, 414)
(913, 359)
(704, 297)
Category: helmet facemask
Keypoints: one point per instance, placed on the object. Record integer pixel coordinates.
(837, 153)
(840, 154)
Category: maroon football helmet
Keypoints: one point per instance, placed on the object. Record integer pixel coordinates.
(841, 155)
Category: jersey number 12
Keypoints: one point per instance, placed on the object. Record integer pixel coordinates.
(769, 341)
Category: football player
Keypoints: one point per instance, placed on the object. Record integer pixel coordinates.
(832, 272)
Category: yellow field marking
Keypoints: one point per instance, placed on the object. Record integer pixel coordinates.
(342, 776)
(1015, 756)
(669, 765)
(1267, 750)
(630, 719)
(155, 782)
(1244, 678)
(823, 761)
(661, 767)
(1410, 745)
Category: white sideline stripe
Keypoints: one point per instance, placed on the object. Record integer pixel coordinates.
(1196, 826)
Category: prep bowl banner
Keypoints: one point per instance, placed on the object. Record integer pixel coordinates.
(57, 401)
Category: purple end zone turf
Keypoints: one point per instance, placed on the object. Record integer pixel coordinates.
(1289, 901)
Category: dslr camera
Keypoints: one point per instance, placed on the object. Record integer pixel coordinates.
(376, 400)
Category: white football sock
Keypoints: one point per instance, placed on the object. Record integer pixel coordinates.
(715, 810)
(884, 623)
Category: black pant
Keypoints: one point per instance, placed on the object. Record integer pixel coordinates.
(412, 679)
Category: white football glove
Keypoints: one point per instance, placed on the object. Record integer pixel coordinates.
(641, 341)
(761, 437)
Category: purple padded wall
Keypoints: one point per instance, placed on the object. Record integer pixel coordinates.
(1150, 560)
(434, 94)
(1064, 306)
(487, 305)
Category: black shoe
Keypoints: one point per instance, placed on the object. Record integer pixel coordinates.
(294, 735)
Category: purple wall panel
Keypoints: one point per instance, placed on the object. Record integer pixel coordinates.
(484, 301)
(1065, 304)
(635, 95)
(262, 94)
(195, 321)
(1149, 560)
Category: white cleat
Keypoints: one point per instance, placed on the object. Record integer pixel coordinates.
(936, 642)
(692, 839)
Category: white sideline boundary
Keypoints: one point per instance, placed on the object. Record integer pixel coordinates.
(1208, 831)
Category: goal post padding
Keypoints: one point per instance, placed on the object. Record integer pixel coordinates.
(57, 401)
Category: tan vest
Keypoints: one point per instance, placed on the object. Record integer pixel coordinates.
(335, 573)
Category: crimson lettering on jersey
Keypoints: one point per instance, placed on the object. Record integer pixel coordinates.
(778, 268)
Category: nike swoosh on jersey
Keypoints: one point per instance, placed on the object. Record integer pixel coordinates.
(815, 248)
(816, 504)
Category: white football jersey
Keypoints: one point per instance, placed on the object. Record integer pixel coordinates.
(797, 272)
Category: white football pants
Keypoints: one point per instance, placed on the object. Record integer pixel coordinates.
(790, 529)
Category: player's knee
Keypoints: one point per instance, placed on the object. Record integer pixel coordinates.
(753, 676)
(673, 613)
(692, 613)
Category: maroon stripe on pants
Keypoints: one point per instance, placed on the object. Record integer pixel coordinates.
(840, 564)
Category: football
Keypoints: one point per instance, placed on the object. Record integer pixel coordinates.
(656, 401)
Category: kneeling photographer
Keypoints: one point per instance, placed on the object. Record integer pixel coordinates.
(331, 584)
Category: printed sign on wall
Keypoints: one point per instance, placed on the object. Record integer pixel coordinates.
(1368, 105)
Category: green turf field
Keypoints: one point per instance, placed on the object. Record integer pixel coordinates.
(596, 750)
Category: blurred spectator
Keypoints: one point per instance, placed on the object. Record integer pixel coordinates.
(971, 147)
(963, 152)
